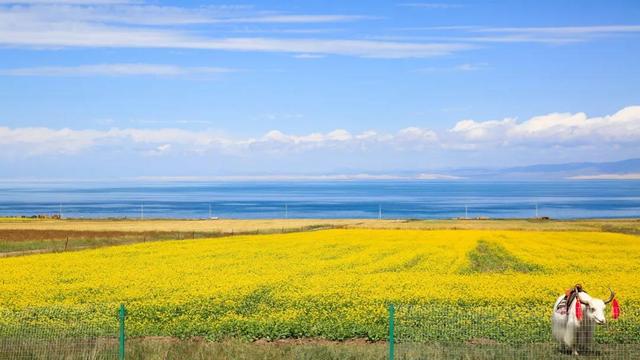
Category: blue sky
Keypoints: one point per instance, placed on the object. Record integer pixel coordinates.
(117, 88)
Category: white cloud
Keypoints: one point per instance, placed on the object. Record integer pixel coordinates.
(296, 19)
(117, 37)
(411, 138)
(33, 141)
(493, 130)
(555, 128)
(557, 35)
(565, 30)
(136, 26)
(114, 70)
(339, 135)
(145, 14)
(551, 35)
(39, 141)
(277, 141)
(415, 134)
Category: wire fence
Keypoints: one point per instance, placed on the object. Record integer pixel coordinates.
(478, 331)
(425, 331)
(43, 334)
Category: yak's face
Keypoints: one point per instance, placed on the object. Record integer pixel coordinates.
(596, 309)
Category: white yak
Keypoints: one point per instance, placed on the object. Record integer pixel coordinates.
(570, 331)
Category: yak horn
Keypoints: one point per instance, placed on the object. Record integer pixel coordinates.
(613, 294)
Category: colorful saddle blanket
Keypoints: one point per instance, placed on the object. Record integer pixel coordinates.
(570, 295)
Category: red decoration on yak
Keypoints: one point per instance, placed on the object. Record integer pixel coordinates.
(615, 309)
(578, 309)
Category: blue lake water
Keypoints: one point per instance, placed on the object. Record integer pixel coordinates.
(338, 199)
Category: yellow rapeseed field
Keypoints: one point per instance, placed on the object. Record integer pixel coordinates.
(332, 283)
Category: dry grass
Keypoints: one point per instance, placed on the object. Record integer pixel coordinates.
(19, 235)
(223, 225)
(27, 236)
(237, 225)
(20, 242)
(612, 225)
(162, 348)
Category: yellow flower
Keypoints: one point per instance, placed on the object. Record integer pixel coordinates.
(333, 283)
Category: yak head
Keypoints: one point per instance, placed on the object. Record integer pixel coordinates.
(595, 308)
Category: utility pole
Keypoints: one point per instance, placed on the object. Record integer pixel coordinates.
(379, 212)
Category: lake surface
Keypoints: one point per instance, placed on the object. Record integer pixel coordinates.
(337, 199)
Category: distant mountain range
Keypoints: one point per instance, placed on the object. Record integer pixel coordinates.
(615, 170)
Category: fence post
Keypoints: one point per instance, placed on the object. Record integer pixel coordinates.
(122, 314)
(392, 312)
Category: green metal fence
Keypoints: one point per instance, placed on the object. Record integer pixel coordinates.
(122, 313)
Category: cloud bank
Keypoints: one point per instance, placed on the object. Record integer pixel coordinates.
(568, 130)
(554, 129)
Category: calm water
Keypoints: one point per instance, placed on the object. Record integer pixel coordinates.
(397, 199)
